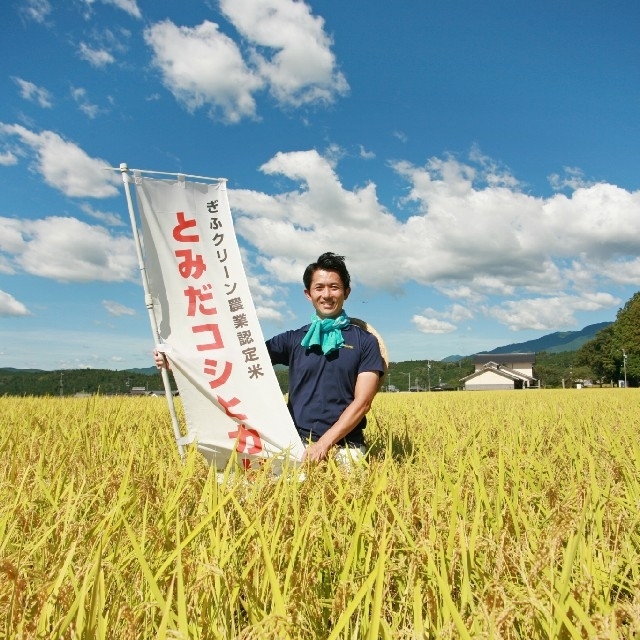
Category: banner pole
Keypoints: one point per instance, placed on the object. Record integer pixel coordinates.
(124, 169)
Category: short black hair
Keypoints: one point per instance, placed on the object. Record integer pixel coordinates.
(328, 262)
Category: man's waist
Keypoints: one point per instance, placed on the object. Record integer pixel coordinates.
(353, 439)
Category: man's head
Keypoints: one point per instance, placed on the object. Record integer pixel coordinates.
(327, 285)
(328, 262)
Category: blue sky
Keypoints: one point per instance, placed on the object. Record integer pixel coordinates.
(477, 163)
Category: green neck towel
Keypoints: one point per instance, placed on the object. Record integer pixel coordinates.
(326, 333)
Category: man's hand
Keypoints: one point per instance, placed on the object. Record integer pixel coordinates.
(316, 452)
(161, 360)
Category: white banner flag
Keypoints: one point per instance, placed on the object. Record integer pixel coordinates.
(208, 324)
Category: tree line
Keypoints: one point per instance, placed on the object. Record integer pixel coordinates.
(69, 382)
(614, 353)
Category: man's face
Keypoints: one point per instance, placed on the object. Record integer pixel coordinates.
(327, 293)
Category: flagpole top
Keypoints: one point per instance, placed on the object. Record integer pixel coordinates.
(124, 169)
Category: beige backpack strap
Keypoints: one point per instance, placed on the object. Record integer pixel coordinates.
(363, 324)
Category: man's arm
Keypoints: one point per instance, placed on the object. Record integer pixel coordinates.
(365, 391)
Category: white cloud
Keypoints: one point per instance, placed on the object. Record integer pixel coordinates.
(128, 6)
(572, 179)
(36, 10)
(432, 325)
(625, 271)
(11, 239)
(65, 166)
(600, 221)
(103, 46)
(473, 228)
(472, 233)
(367, 155)
(106, 217)
(458, 313)
(68, 250)
(288, 52)
(7, 159)
(81, 99)
(95, 57)
(290, 49)
(493, 285)
(433, 321)
(302, 224)
(400, 135)
(549, 313)
(117, 309)
(461, 292)
(267, 298)
(6, 267)
(33, 93)
(9, 306)
(203, 67)
(333, 154)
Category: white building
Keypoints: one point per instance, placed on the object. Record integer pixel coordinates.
(501, 371)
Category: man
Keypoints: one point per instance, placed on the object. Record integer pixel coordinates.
(334, 366)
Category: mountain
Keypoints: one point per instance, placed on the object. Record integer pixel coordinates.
(554, 342)
(551, 343)
(146, 371)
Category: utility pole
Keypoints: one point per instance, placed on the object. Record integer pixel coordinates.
(61, 385)
(624, 363)
(571, 376)
(429, 374)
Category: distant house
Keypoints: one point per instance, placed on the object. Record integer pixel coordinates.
(501, 371)
(138, 391)
(443, 386)
(159, 393)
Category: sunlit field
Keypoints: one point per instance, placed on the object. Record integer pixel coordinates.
(478, 515)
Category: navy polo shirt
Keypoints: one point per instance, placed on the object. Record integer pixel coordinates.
(321, 387)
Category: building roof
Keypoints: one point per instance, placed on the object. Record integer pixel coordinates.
(504, 358)
(500, 370)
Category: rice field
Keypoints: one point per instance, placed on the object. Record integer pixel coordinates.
(478, 515)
